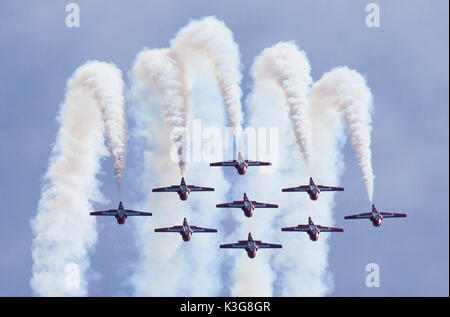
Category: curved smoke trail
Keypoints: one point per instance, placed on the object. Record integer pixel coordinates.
(213, 38)
(300, 268)
(159, 67)
(347, 91)
(62, 229)
(178, 74)
(162, 265)
(105, 82)
(289, 67)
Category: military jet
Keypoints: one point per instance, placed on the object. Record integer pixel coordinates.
(185, 230)
(240, 164)
(246, 205)
(375, 216)
(250, 246)
(183, 190)
(312, 189)
(120, 213)
(312, 230)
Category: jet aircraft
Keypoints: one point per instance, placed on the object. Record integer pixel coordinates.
(240, 164)
(120, 213)
(312, 230)
(183, 190)
(246, 205)
(250, 246)
(312, 189)
(185, 230)
(375, 216)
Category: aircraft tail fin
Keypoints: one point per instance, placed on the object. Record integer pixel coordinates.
(185, 223)
(250, 238)
(310, 221)
(240, 158)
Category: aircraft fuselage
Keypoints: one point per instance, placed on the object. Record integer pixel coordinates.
(376, 219)
(251, 250)
(313, 232)
(248, 209)
(241, 168)
(313, 192)
(186, 233)
(121, 216)
(184, 193)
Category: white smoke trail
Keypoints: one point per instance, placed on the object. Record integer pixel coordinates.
(333, 98)
(347, 91)
(63, 231)
(200, 49)
(299, 269)
(289, 67)
(159, 67)
(302, 268)
(213, 38)
(159, 269)
(161, 257)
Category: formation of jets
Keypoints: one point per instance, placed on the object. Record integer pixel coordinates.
(247, 206)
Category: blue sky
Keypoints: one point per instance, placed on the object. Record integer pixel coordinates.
(405, 62)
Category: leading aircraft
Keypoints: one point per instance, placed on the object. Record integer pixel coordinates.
(312, 230)
(375, 216)
(120, 213)
(183, 190)
(185, 230)
(246, 205)
(250, 245)
(240, 164)
(312, 189)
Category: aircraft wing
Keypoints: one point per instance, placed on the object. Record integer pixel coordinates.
(263, 205)
(329, 229)
(366, 215)
(170, 229)
(226, 163)
(234, 204)
(257, 163)
(392, 215)
(239, 245)
(111, 212)
(301, 228)
(173, 188)
(330, 188)
(200, 189)
(263, 245)
(200, 229)
(137, 213)
(296, 189)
